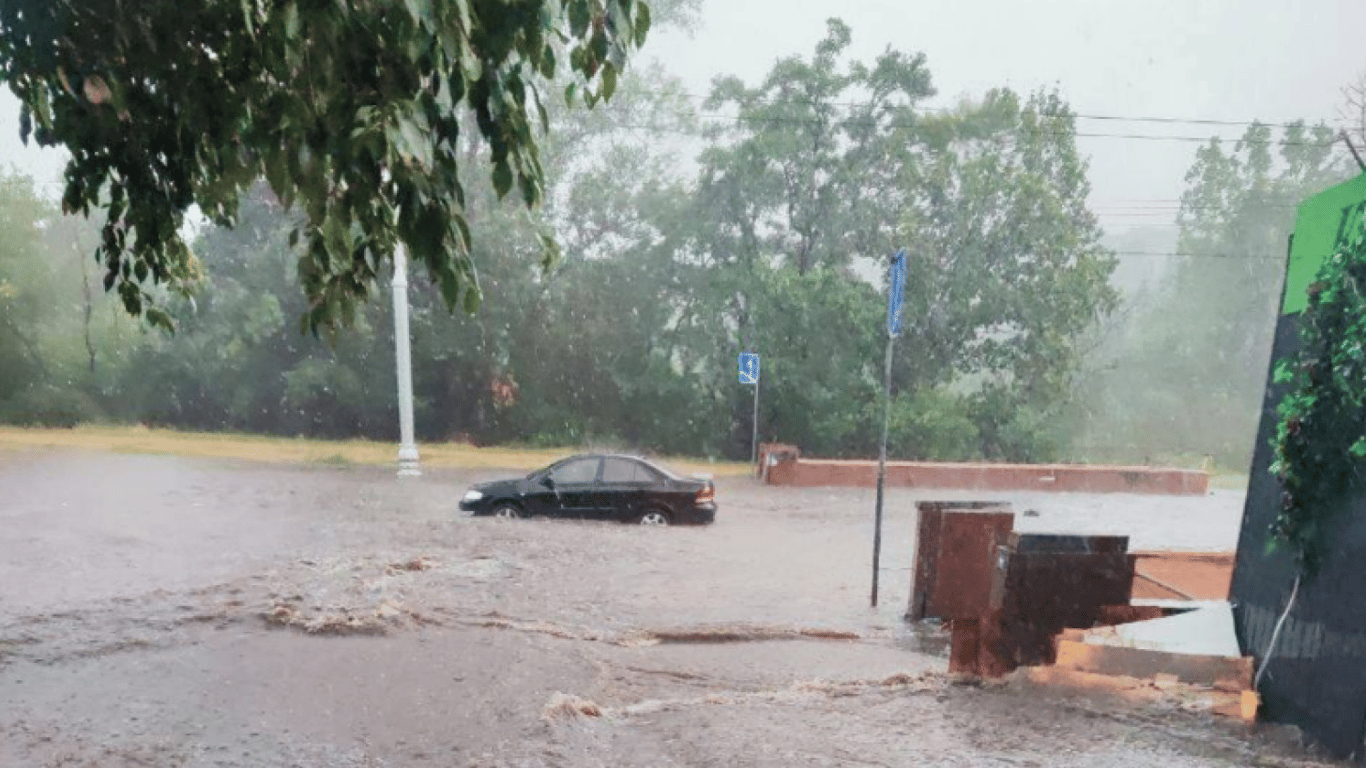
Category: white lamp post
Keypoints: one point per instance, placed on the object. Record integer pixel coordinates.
(407, 449)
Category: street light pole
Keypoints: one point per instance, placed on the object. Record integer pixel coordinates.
(407, 449)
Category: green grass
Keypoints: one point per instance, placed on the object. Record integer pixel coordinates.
(142, 440)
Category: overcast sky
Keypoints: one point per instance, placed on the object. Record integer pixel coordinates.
(1274, 60)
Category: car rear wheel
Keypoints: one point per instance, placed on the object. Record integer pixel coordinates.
(654, 517)
(507, 511)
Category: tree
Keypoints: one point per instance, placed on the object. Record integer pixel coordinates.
(828, 165)
(1200, 365)
(25, 283)
(1008, 270)
(804, 173)
(629, 339)
(1353, 111)
(47, 330)
(237, 362)
(554, 339)
(803, 179)
(351, 110)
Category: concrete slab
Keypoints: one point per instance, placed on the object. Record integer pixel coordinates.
(1206, 630)
(1162, 667)
(1240, 705)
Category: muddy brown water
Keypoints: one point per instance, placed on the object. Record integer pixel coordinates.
(160, 611)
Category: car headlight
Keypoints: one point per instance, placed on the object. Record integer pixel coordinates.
(473, 495)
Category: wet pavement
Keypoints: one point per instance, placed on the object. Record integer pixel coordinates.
(159, 611)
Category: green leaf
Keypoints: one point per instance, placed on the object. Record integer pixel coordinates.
(502, 178)
(550, 250)
(44, 114)
(421, 11)
(472, 299)
(336, 239)
(462, 8)
(609, 80)
(249, 16)
(597, 45)
(642, 23)
(540, 110)
(25, 123)
(547, 63)
(579, 17)
(277, 172)
(443, 96)
(160, 319)
(1283, 372)
(418, 142)
(531, 194)
(292, 20)
(449, 283)
(463, 229)
(1358, 448)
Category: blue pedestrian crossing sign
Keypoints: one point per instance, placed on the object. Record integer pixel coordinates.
(749, 368)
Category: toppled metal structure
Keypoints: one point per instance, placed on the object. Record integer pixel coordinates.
(1014, 600)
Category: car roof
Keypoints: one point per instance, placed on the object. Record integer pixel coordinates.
(627, 456)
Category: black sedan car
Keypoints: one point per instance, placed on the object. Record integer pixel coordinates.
(627, 489)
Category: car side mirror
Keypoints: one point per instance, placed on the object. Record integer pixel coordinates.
(547, 481)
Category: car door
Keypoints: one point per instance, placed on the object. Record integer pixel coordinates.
(574, 485)
(537, 496)
(622, 491)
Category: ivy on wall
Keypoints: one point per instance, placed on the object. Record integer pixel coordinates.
(1320, 442)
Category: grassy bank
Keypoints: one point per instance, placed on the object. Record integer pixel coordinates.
(120, 439)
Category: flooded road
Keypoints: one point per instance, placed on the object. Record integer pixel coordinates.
(158, 611)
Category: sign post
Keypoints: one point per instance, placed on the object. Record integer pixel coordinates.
(749, 374)
(896, 292)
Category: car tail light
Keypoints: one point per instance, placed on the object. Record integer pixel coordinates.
(707, 493)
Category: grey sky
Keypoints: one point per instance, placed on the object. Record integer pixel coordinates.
(1274, 60)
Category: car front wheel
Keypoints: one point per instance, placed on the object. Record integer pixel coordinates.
(507, 512)
(654, 517)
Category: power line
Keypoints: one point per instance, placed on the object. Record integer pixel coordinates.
(718, 117)
(1193, 255)
(1077, 115)
(1202, 207)
(1046, 132)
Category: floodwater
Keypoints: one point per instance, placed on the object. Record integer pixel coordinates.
(156, 611)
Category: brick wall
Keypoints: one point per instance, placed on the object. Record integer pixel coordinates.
(794, 470)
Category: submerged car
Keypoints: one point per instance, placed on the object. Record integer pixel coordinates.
(627, 489)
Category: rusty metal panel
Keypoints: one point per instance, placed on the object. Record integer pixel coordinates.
(1032, 581)
(928, 515)
(1067, 543)
(1042, 584)
(954, 565)
(962, 584)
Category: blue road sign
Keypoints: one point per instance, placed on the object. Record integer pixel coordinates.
(896, 293)
(749, 368)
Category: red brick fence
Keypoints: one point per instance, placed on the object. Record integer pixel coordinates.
(783, 465)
